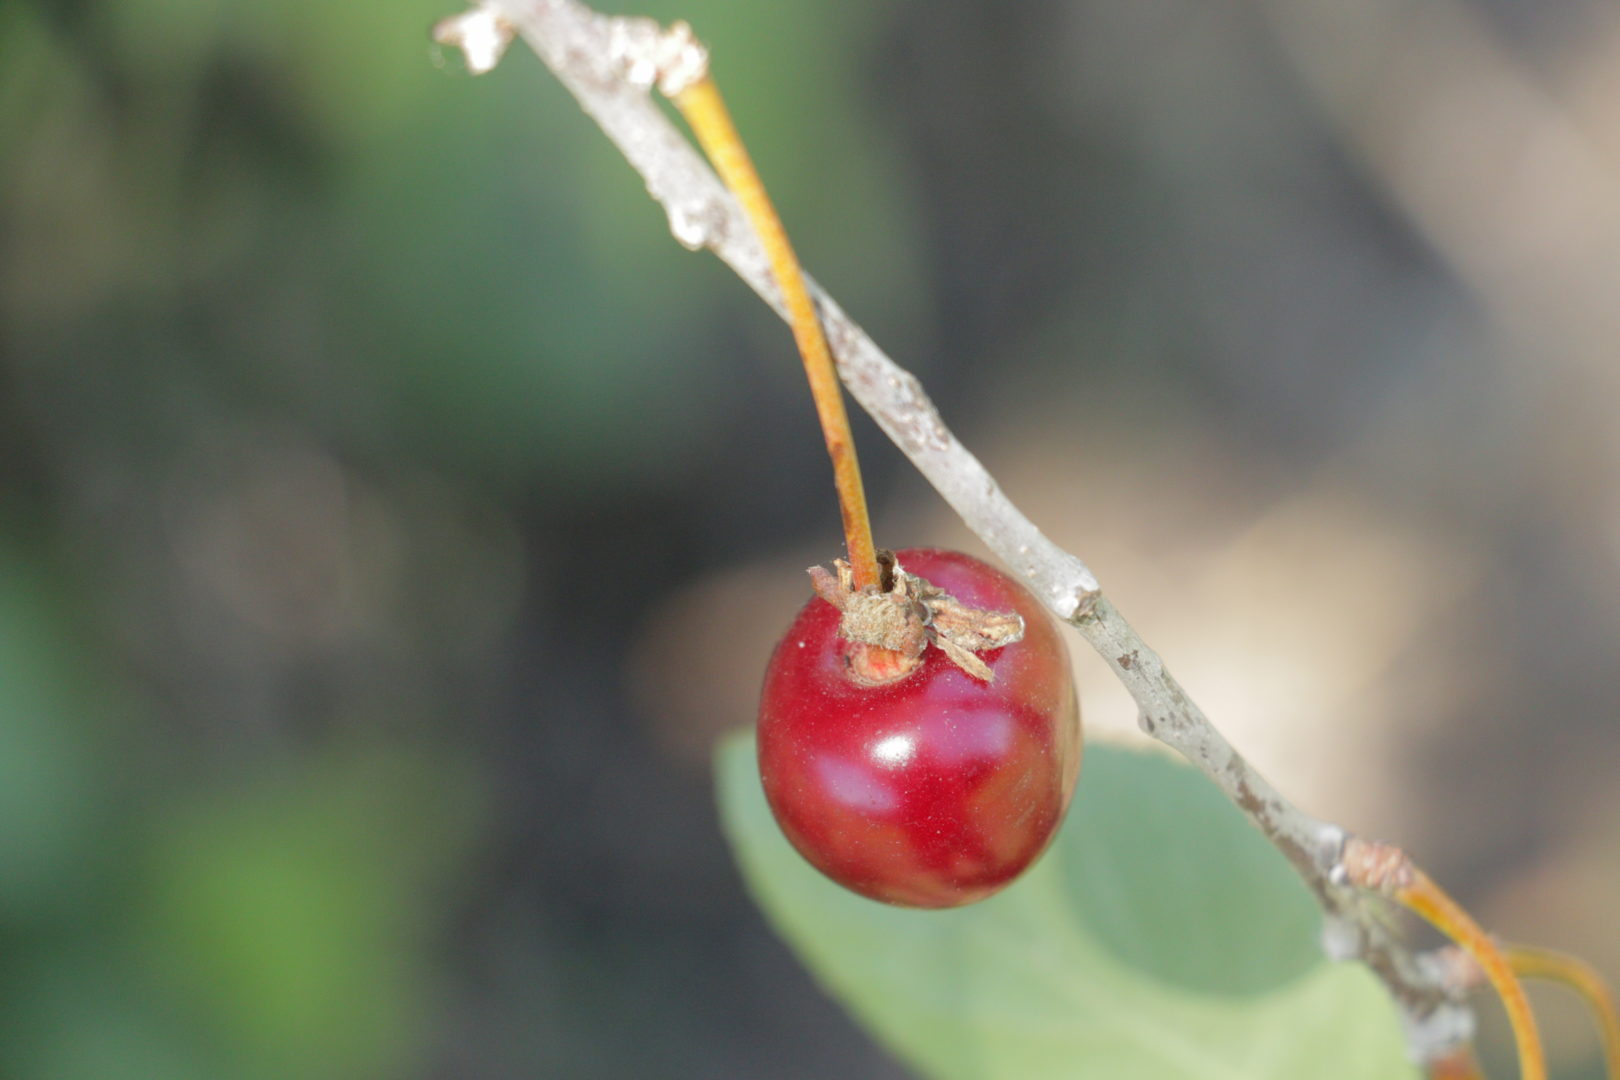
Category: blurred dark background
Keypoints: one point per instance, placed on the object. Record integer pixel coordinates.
(391, 514)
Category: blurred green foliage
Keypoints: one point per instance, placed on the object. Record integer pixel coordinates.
(277, 926)
(404, 252)
(290, 306)
(48, 770)
(294, 913)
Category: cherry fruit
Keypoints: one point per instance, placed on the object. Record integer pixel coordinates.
(940, 787)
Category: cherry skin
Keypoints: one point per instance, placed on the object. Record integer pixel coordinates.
(935, 790)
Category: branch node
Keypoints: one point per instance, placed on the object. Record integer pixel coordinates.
(1435, 1035)
(1084, 600)
(481, 35)
(647, 55)
(1330, 843)
(1375, 866)
(1453, 969)
(1342, 938)
(696, 223)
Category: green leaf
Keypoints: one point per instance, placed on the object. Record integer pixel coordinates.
(1169, 877)
(1154, 941)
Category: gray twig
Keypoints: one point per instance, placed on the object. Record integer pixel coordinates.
(610, 65)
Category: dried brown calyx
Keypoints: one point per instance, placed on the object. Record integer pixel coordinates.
(890, 627)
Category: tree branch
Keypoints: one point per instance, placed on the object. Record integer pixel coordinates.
(609, 65)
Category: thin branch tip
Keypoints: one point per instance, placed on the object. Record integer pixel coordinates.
(480, 33)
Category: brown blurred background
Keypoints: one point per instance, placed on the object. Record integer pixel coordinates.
(391, 514)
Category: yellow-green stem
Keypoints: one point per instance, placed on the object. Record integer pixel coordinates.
(1428, 900)
(710, 121)
(1582, 978)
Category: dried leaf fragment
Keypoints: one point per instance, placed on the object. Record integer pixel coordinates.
(890, 629)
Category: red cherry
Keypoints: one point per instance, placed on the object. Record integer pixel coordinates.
(935, 790)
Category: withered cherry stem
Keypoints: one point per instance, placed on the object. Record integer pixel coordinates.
(710, 121)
